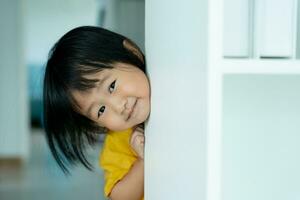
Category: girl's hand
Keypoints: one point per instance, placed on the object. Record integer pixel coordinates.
(137, 141)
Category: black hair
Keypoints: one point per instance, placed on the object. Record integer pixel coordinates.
(81, 51)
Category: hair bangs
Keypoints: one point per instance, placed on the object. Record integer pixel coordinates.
(79, 78)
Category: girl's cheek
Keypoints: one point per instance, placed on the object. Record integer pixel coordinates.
(127, 88)
(114, 123)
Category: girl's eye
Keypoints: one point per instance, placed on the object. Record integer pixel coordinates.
(101, 111)
(112, 86)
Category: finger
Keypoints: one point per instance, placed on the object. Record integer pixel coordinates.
(135, 137)
(139, 129)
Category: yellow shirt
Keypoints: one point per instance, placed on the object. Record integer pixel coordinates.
(116, 158)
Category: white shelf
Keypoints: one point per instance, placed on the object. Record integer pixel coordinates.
(251, 66)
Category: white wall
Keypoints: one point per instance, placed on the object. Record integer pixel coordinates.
(126, 17)
(13, 84)
(29, 29)
(46, 21)
(176, 51)
(253, 151)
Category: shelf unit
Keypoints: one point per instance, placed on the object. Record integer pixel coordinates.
(218, 68)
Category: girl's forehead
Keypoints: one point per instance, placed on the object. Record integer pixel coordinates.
(119, 69)
(98, 75)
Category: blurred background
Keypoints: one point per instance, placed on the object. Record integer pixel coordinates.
(29, 28)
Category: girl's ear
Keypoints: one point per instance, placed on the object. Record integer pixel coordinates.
(129, 45)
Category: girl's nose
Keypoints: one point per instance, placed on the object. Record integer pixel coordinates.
(117, 103)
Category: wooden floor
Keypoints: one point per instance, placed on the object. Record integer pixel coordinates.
(40, 178)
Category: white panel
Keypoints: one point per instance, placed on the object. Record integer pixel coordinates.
(260, 154)
(277, 27)
(237, 27)
(176, 51)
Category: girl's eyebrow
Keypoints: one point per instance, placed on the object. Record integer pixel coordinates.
(101, 81)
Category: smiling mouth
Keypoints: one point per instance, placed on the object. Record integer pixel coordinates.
(131, 110)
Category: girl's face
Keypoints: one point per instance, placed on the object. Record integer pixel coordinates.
(120, 100)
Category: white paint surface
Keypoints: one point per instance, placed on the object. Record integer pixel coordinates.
(260, 139)
(237, 28)
(276, 25)
(176, 51)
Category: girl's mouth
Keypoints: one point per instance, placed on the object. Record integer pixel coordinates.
(132, 109)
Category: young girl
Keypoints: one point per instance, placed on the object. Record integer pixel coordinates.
(95, 82)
